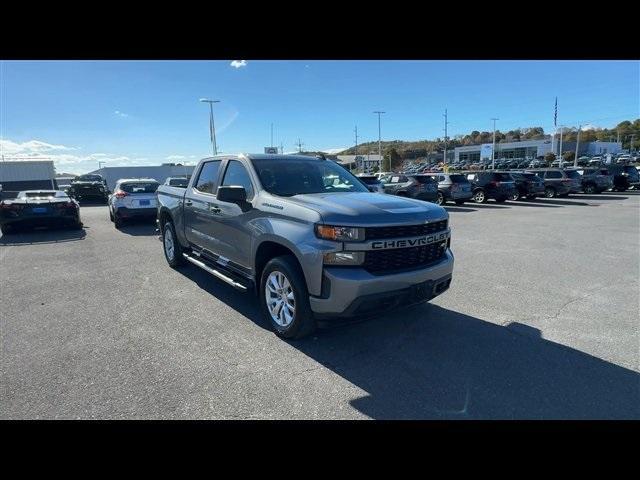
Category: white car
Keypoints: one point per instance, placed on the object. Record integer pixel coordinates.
(133, 198)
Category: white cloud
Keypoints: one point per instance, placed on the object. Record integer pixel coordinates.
(331, 151)
(120, 114)
(32, 147)
(239, 63)
(176, 157)
(589, 126)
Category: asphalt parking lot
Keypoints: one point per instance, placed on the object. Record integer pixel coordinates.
(541, 322)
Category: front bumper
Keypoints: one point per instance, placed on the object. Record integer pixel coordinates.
(354, 291)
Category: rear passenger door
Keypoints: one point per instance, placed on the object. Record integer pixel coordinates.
(199, 211)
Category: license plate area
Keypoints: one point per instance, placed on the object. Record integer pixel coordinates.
(39, 210)
(144, 203)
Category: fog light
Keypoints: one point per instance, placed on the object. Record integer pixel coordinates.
(344, 258)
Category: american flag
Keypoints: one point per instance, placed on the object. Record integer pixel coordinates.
(555, 115)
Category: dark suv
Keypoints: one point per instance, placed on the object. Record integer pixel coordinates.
(528, 185)
(496, 185)
(556, 182)
(624, 177)
(422, 187)
(453, 186)
(89, 186)
(594, 180)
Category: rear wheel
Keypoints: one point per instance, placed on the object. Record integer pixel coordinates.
(440, 200)
(515, 196)
(479, 196)
(589, 188)
(284, 298)
(549, 192)
(171, 246)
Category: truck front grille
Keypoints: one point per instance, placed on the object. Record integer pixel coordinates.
(398, 259)
(378, 233)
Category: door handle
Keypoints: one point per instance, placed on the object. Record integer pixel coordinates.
(188, 203)
(215, 209)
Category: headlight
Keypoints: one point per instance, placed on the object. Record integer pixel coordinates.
(344, 258)
(340, 234)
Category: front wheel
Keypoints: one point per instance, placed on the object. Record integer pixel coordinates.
(284, 298)
(549, 192)
(589, 188)
(515, 196)
(440, 199)
(171, 246)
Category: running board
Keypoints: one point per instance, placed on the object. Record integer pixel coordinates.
(215, 273)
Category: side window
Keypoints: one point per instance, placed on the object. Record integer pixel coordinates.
(237, 175)
(554, 174)
(208, 177)
(394, 179)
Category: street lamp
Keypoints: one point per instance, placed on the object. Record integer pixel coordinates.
(212, 127)
(493, 149)
(379, 139)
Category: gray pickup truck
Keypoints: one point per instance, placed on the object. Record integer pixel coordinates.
(307, 237)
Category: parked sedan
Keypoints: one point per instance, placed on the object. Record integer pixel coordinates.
(372, 183)
(34, 208)
(422, 187)
(528, 186)
(453, 187)
(133, 199)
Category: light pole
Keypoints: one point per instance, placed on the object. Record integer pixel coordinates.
(212, 127)
(575, 158)
(445, 136)
(493, 149)
(560, 158)
(379, 138)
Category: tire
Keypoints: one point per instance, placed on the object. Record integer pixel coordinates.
(117, 221)
(516, 196)
(171, 246)
(460, 202)
(549, 192)
(111, 215)
(589, 188)
(302, 322)
(440, 200)
(479, 196)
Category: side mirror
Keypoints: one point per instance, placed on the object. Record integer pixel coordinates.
(232, 194)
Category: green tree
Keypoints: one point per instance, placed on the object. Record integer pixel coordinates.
(549, 157)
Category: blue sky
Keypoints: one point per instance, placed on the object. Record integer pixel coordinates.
(81, 112)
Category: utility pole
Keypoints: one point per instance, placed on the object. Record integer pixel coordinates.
(212, 127)
(299, 144)
(493, 150)
(356, 157)
(575, 158)
(445, 137)
(560, 157)
(379, 138)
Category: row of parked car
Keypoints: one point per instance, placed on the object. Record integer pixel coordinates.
(480, 186)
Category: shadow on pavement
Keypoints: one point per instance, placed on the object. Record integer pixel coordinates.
(139, 228)
(599, 197)
(529, 203)
(487, 205)
(459, 209)
(568, 203)
(434, 363)
(40, 236)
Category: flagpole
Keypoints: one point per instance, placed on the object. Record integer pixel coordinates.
(212, 126)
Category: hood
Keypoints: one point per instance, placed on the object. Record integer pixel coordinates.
(369, 209)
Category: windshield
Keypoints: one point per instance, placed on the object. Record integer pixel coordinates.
(178, 182)
(369, 180)
(295, 176)
(88, 178)
(141, 187)
(458, 179)
(424, 178)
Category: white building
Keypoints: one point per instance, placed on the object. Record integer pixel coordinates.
(21, 175)
(157, 172)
